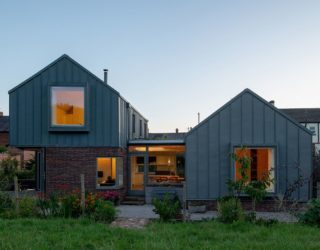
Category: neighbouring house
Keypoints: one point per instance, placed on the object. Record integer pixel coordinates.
(4, 130)
(20, 155)
(78, 124)
(310, 118)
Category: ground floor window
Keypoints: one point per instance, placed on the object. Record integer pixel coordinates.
(109, 172)
(262, 163)
(165, 169)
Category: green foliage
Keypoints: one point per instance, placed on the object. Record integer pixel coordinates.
(167, 208)
(27, 207)
(236, 187)
(6, 202)
(104, 211)
(3, 149)
(312, 215)
(230, 210)
(70, 205)
(256, 189)
(8, 167)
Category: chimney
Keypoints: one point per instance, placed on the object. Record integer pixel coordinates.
(272, 102)
(1, 113)
(105, 76)
(177, 130)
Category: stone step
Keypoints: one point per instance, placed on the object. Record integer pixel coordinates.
(133, 200)
(137, 203)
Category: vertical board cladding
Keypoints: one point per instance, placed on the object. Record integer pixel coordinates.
(64, 166)
(30, 110)
(246, 120)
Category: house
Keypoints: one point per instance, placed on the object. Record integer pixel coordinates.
(274, 140)
(4, 130)
(78, 124)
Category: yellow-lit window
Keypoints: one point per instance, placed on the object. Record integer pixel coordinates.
(109, 171)
(261, 164)
(67, 106)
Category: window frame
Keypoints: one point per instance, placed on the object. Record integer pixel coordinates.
(133, 123)
(118, 173)
(274, 147)
(69, 128)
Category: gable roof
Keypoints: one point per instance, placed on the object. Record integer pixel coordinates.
(303, 114)
(248, 91)
(64, 56)
(4, 123)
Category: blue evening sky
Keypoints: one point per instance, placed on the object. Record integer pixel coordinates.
(171, 59)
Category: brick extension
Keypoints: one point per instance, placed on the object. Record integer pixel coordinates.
(64, 166)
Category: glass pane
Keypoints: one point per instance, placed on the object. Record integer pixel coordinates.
(67, 106)
(106, 175)
(137, 173)
(120, 171)
(165, 169)
(171, 149)
(137, 148)
(313, 127)
(262, 162)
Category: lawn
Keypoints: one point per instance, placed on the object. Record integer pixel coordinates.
(84, 234)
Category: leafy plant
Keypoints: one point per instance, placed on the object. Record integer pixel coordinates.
(6, 202)
(27, 207)
(3, 149)
(104, 211)
(167, 208)
(312, 215)
(112, 196)
(256, 189)
(230, 210)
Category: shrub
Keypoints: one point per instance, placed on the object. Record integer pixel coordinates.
(48, 206)
(112, 196)
(104, 211)
(167, 208)
(70, 205)
(27, 207)
(6, 202)
(230, 210)
(312, 215)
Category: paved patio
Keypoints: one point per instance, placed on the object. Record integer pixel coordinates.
(145, 212)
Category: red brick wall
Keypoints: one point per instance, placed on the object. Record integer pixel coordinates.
(64, 166)
(4, 139)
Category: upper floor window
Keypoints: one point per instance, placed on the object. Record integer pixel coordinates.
(67, 106)
(133, 123)
(140, 128)
(145, 130)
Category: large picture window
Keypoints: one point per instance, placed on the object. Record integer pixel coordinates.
(67, 106)
(109, 172)
(262, 163)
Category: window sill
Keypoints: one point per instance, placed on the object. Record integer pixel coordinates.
(68, 129)
(109, 187)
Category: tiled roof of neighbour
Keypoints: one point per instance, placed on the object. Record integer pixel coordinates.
(304, 114)
(4, 123)
(166, 136)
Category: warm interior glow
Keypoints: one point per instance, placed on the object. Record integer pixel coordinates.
(106, 171)
(262, 161)
(67, 105)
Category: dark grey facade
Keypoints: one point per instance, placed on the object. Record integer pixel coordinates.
(108, 114)
(251, 121)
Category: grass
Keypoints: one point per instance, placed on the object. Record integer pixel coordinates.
(84, 234)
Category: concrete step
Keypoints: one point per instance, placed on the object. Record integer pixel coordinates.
(133, 200)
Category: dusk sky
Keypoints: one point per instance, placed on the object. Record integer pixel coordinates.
(171, 59)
